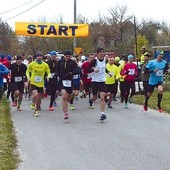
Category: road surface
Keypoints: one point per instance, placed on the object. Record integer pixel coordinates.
(129, 139)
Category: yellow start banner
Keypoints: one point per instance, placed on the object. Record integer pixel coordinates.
(51, 30)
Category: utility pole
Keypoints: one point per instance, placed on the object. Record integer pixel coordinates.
(136, 51)
(75, 21)
(136, 44)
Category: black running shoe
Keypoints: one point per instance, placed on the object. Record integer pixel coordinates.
(103, 117)
(90, 102)
(39, 109)
(109, 105)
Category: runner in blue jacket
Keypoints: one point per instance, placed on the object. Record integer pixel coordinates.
(3, 71)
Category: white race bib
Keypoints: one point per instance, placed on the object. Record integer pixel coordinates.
(66, 83)
(18, 79)
(89, 76)
(75, 76)
(159, 73)
(38, 79)
(4, 80)
(52, 75)
(131, 72)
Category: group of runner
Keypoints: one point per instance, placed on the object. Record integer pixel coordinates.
(98, 77)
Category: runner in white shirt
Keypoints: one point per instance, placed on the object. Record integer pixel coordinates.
(98, 68)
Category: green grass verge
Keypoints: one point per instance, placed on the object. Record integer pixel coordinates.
(139, 99)
(9, 157)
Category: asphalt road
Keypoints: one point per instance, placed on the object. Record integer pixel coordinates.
(129, 139)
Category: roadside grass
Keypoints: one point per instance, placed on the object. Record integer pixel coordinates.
(9, 157)
(139, 99)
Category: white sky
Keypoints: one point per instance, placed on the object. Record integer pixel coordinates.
(51, 9)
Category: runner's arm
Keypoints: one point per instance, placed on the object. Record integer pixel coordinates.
(91, 65)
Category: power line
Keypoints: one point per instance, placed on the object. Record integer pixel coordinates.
(15, 7)
(24, 11)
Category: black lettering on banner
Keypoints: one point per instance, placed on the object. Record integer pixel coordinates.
(63, 29)
(73, 29)
(32, 29)
(52, 30)
(42, 28)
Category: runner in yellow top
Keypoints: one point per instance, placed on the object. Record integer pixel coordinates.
(112, 73)
(35, 74)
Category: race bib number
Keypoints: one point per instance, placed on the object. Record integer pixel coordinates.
(38, 79)
(52, 75)
(66, 83)
(131, 72)
(4, 80)
(89, 76)
(75, 76)
(159, 73)
(18, 79)
(103, 69)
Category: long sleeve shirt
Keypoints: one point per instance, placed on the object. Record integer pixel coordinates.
(130, 70)
(3, 71)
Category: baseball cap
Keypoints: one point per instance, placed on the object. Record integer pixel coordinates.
(9, 57)
(53, 53)
(159, 52)
(83, 57)
(30, 57)
(142, 48)
(147, 54)
(19, 57)
(39, 53)
(117, 58)
(100, 49)
(130, 56)
(2, 56)
(67, 53)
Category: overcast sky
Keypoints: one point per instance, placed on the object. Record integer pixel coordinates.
(51, 9)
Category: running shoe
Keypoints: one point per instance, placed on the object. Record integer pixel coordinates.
(14, 104)
(8, 101)
(90, 102)
(81, 95)
(145, 107)
(66, 116)
(36, 114)
(76, 98)
(102, 117)
(18, 108)
(109, 105)
(39, 109)
(114, 99)
(91, 107)
(159, 109)
(130, 100)
(51, 108)
(54, 103)
(126, 106)
(32, 106)
(72, 107)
